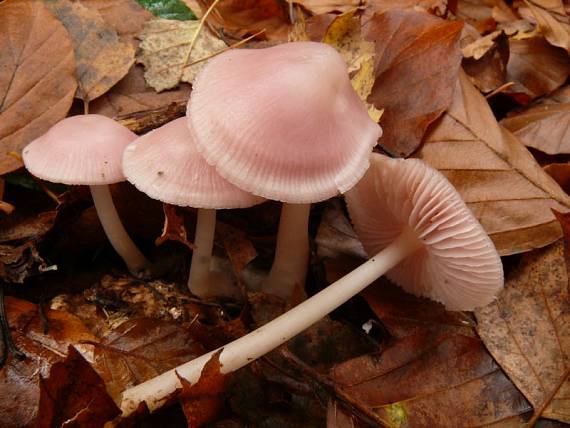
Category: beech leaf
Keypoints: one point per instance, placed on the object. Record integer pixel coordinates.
(526, 329)
(497, 177)
(417, 60)
(102, 58)
(557, 33)
(37, 80)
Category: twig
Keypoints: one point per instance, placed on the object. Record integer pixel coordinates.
(500, 89)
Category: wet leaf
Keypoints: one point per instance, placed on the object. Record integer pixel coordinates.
(495, 174)
(169, 9)
(102, 58)
(203, 400)
(165, 46)
(546, 128)
(140, 349)
(19, 379)
(417, 60)
(526, 329)
(74, 395)
(431, 380)
(36, 76)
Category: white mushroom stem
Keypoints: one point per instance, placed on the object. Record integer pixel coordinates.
(136, 262)
(244, 350)
(199, 278)
(291, 252)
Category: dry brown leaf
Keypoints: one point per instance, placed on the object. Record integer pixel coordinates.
(546, 128)
(19, 379)
(102, 58)
(536, 67)
(174, 228)
(560, 172)
(417, 60)
(37, 80)
(557, 33)
(319, 7)
(427, 380)
(337, 417)
(435, 7)
(132, 95)
(165, 45)
(487, 65)
(495, 174)
(526, 329)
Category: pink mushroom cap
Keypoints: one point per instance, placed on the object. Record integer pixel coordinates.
(282, 122)
(85, 149)
(166, 165)
(457, 264)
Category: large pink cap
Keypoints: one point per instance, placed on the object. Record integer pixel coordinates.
(283, 122)
(84, 149)
(458, 264)
(166, 166)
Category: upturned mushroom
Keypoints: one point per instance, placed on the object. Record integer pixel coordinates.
(419, 231)
(88, 150)
(166, 166)
(283, 123)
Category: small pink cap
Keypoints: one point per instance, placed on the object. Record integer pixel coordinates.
(458, 264)
(166, 166)
(85, 149)
(282, 122)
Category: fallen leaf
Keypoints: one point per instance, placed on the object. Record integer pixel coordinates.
(526, 329)
(238, 247)
(19, 379)
(102, 58)
(560, 172)
(497, 177)
(169, 9)
(165, 47)
(546, 128)
(481, 46)
(536, 67)
(140, 349)
(417, 60)
(319, 7)
(337, 417)
(557, 33)
(435, 7)
(203, 400)
(238, 18)
(431, 380)
(174, 228)
(36, 76)
(132, 95)
(74, 395)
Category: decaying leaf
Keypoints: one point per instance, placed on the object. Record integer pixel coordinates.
(431, 380)
(526, 329)
(536, 67)
(417, 60)
(319, 7)
(495, 174)
(102, 58)
(203, 400)
(165, 46)
(557, 33)
(546, 128)
(74, 395)
(485, 62)
(560, 172)
(174, 228)
(37, 80)
(238, 247)
(19, 379)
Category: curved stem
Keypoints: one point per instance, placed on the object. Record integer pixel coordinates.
(244, 350)
(291, 252)
(199, 277)
(137, 263)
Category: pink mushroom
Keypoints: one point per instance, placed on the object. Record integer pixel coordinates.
(283, 123)
(166, 166)
(88, 150)
(421, 232)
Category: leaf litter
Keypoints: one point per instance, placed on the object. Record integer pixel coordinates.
(385, 359)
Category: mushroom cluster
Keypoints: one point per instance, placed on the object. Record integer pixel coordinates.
(282, 123)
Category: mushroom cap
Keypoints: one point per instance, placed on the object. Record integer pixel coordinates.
(166, 166)
(85, 149)
(282, 122)
(457, 264)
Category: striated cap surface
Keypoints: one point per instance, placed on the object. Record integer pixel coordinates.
(282, 122)
(85, 149)
(458, 264)
(166, 166)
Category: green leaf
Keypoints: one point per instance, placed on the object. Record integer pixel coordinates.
(168, 9)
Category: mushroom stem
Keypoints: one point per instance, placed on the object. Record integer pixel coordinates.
(244, 350)
(136, 262)
(198, 280)
(291, 252)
